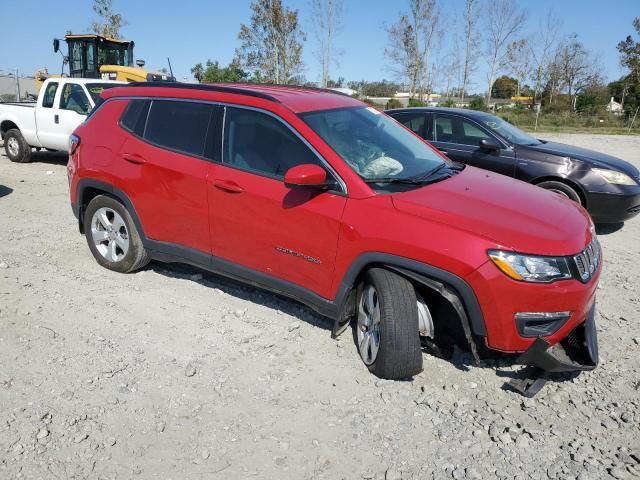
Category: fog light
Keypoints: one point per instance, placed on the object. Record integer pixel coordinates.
(540, 324)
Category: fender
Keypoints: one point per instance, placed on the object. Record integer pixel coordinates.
(455, 286)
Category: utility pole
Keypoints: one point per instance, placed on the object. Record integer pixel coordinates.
(17, 87)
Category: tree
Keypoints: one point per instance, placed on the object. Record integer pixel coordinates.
(471, 41)
(630, 52)
(327, 23)
(542, 46)
(110, 22)
(271, 45)
(410, 41)
(576, 68)
(213, 73)
(519, 61)
(504, 21)
(505, 87)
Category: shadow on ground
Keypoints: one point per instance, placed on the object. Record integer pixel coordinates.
(4, 191)
(243, 291)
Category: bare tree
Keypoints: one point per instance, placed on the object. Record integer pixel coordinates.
(327, 23)
(504, 21)
(519, 61)
(272, 43)
(542, 47)
(577, 68)
(110, 22)
(411, 40)
(471, 43)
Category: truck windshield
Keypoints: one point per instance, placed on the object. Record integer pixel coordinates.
(95, 89)
(373, 144)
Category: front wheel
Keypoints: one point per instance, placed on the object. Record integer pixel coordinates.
(563, 189)
(387, 328)
(16, 147)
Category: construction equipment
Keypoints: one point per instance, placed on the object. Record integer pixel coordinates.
(94, 56)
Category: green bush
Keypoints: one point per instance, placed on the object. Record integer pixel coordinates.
(393, 103)
(477, 104)
(414, 102)
(447, 103)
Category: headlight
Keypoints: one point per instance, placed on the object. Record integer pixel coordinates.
(530, 268)
(611, 176)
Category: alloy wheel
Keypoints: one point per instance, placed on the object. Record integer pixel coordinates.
(109, 234)
(368, 330)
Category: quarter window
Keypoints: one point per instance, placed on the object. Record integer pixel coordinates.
(178, 125)
(49, 95)
(259, 143)
(135, 116)
(73, 98)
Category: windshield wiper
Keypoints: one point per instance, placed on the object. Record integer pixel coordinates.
(429, 176)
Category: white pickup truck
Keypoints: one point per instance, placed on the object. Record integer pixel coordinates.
(62, 105)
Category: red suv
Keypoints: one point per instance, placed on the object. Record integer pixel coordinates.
(314, 195)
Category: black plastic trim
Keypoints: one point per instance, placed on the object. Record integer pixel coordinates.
(210, 88)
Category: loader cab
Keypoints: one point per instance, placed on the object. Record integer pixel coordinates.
(89, 53)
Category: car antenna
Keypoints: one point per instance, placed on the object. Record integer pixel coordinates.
(170, 69)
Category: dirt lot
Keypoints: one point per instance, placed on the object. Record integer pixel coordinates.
(175, 373)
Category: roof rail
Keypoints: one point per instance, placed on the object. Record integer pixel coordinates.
(295, 87)
(210, 88)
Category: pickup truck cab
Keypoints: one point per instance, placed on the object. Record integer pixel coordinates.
(62, 105)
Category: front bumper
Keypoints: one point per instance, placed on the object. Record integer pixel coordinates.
(616, 207)
(578, 351)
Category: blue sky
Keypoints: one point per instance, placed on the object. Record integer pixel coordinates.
(191, 31)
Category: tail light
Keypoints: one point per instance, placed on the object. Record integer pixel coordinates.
(74, 142)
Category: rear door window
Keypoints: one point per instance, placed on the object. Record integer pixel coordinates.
(413, 121)
(49, 95)
(444, 129)
(178, 125)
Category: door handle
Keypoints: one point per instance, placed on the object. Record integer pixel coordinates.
(134, 158)
(56, 118)
(228, 186)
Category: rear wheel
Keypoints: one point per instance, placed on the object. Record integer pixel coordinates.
(387, 328)
(112, 236)
(16, 147)
(563, 189)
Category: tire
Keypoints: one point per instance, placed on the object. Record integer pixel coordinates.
(562, 189)
(112, 236)
(398, 354)
(16, 147)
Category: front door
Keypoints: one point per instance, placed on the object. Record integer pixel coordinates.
(459, 138)
(259, 223)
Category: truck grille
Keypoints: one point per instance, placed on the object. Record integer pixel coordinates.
(588, 260)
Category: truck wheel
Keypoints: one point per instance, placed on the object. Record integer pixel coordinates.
(16, 147)
(112, 236)
(563, 189)
(387, 330)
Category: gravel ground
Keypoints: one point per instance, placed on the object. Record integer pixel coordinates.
(174, 373)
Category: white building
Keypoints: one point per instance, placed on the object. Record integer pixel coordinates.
(614, 107)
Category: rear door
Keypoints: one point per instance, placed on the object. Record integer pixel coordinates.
(259, 223)
(163, 167)
(459, 138)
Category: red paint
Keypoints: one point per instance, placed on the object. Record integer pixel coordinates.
(311, 237)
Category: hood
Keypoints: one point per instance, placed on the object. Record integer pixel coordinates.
(596, 159)
(511, 213)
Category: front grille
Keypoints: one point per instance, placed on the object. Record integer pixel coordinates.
(588, 260)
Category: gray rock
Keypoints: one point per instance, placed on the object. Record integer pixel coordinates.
(3, 265)
(391, 474)
(67, 395)
(293, 326)
(190, 370)
(458, 473)
(160, 426)
(80, 438)
(43, 432)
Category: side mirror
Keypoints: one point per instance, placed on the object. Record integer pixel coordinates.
(56, 45)
(308, 176)
(490, 144)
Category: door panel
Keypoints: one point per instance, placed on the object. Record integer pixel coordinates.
(259, 223)
(459, 139)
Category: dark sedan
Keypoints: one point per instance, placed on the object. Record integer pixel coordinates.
(608, 187)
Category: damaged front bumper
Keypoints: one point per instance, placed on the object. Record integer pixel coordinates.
(577, 352)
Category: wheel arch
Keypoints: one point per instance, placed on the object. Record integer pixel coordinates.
(450, 286)
(7, 125)
(88, 189)
(570, 183)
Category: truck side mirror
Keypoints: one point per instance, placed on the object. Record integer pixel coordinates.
(56, 45)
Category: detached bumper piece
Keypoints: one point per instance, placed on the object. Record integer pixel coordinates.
(577, 352)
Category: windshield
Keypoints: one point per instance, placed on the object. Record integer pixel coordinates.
(373, 144)
(95, 89)
(508, 131)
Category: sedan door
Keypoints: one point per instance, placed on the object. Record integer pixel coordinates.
(459, 138)
(256, 221)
